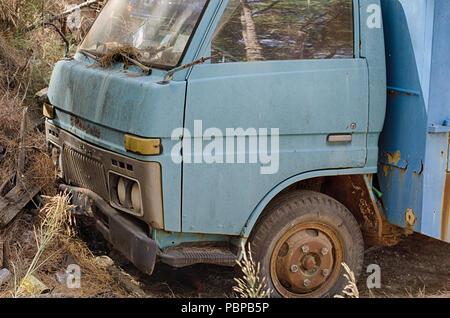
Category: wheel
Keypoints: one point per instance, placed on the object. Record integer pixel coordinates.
(301, 243)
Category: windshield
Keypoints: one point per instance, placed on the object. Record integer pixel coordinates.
(159, 30)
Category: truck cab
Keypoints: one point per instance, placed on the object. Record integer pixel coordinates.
(190, 128)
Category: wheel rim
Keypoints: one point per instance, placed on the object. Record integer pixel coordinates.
(306, 261)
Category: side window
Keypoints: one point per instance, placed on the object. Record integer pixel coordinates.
(284, 30)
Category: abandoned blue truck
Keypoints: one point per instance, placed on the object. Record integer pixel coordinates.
(307, 128)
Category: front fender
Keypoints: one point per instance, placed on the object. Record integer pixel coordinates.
(254, 216)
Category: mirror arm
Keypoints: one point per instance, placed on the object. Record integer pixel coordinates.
(169, 75)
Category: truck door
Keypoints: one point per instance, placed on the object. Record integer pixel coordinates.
(286, 65)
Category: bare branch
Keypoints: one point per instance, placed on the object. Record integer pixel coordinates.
(62, 15)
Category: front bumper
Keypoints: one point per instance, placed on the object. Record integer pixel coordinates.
(118, 229)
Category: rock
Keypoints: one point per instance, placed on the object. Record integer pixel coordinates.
(5, 276)
(104, 261)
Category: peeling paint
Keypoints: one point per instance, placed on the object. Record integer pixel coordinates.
(410, 218)
(385, 170)
(394, 158)
(421, 168)
(77, 123)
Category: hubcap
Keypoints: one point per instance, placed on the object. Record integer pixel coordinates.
(313, 249)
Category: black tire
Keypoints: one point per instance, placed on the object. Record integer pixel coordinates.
(316, 218)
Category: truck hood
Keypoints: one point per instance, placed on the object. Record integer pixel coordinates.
(96, 100)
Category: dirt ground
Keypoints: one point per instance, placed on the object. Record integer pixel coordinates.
(419, 266)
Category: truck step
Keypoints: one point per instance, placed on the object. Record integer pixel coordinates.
(186, 256)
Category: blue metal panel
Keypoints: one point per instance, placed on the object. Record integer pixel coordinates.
(112, 98)
(100, 106)
(306, 100)
(435, 216)
(286, 183)
(414, 142)
(291, 95)
(373, 50)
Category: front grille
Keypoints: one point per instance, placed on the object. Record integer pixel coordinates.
(83, 171)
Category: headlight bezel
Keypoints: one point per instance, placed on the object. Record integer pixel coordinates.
(127, 206)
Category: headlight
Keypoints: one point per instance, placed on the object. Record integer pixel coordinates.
(121, 191)
(125, 194)
(136, 202)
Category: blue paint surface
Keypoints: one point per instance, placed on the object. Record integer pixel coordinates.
(306, 100)
(418, 67)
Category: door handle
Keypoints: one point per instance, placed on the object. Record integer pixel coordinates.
(340, 138)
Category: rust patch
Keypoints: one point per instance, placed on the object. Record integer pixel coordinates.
(368, 213)
(421, 169)
(77, 123)
(352, 191)
(385, 169)
(355, 193)
(393, 161)
(394, 158)
(390, 234)
(397, 93)
(445, 209)
(410, 219)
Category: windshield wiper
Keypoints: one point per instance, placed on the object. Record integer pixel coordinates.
(146, 69)
(89, 54)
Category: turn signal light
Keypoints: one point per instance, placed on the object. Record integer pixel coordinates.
(48, 111)
(143, 146)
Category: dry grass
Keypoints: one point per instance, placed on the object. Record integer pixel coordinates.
(20, 77)
(56, 223)
(423, 293)
(39, 169)
(39, 246)
(26, 62)
(251, 285)
(32, 54)
(42, 246)
(116, 55)
(350, 290)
